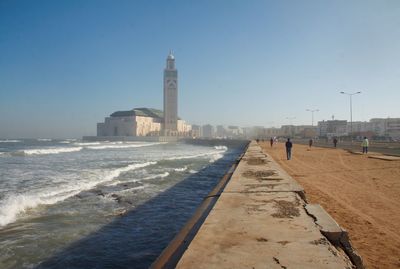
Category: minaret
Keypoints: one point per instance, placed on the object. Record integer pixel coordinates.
(170, 97)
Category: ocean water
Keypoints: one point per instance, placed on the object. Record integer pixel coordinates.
(74, 204)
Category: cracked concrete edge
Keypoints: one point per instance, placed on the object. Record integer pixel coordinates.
(350, 251)
(344, 240)
(334, 232)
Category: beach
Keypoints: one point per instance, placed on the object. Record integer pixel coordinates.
(360, 193)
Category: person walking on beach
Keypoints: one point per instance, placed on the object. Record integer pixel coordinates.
(310, 143)
(271, 141)
(335, 142)
(289, 146)
(364, 145)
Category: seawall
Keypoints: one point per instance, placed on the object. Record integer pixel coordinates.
(259, 218)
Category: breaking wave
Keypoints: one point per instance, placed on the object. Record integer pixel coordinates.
(180, 169)
(16, 204)
(10, 141)
(165, 174)
(118, 146)
(45, 151)
(215, 155)
(87, 143)
(221, 148)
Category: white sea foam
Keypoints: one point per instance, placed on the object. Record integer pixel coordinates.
(115, 173)
(87, 143)
(180, 169)
(216, 157)
(165, 174)
(10, 141)
(44, 139)
(115, 146)
(213, 154)
(47, 151)
(193, 171)
(16, 204)
(65, 142)
(221, 148)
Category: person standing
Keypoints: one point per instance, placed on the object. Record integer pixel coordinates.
(365, 144)
(310, 143)
(271, 141)
(334, 142)
(289, 146)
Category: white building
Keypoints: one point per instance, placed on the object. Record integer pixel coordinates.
(138, 122)
(148, 121)
(333, 128)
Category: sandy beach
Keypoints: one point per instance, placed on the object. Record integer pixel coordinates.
(361, 193)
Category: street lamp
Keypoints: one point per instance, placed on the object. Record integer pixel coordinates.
(312, 115)
(351, 113)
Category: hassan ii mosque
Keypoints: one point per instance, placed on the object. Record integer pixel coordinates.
(145, 122)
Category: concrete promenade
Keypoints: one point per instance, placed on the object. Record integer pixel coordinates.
(262, 220)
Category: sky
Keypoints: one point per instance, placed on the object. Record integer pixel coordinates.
(66, 65)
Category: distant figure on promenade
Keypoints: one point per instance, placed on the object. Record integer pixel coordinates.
(289, 146)
(334, 142)
(365, 144)
(271, 141)
(310, 143)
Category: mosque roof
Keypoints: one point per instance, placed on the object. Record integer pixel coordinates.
(142, 111)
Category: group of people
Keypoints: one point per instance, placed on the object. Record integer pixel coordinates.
(289, 145)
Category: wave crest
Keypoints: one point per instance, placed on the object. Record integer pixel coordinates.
(46, 151)
(16, 204)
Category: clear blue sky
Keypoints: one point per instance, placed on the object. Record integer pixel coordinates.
(65, 65)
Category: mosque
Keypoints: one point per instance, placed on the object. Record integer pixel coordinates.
(145, 122)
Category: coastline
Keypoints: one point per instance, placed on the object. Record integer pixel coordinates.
(222, 241)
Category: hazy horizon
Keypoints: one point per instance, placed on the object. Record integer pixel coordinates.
(66, 65)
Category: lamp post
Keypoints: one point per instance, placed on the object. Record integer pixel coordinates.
(312, 115)
(351, 113)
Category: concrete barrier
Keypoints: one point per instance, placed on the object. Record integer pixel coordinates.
(260, 221)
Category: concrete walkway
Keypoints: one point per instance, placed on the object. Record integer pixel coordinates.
(260, 221)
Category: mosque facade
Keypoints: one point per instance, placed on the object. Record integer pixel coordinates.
(140, 122)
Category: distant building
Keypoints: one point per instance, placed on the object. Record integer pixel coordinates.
(207, 131)
(221, 131)
(196, 131)
(138, 122)
(389, 127)
(333, 128)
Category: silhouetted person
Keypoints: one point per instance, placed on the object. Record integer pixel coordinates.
(334, 142)
(271, 141)
(289, 146)
(310, 143)
(365, 144)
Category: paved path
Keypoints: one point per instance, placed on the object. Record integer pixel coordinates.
(259, 221)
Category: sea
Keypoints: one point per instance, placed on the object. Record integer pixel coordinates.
(75, 204)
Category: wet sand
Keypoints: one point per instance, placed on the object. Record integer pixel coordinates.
(362, 194)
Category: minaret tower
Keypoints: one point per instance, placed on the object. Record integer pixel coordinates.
(170, 97)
